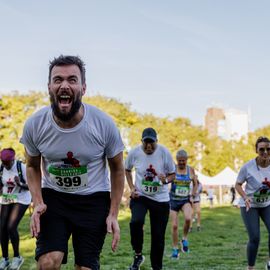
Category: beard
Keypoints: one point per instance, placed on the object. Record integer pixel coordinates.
(65, 117)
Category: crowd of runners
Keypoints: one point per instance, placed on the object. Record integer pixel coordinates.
(75, 173)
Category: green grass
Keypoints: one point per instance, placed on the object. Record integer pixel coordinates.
(220, 245)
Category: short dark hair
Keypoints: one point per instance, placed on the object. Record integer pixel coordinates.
(64, 60)
(261, 139)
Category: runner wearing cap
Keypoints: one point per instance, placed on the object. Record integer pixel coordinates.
(15, 201)
(180, 199)
(154, 168)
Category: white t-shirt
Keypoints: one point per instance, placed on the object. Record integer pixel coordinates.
(12, 193)
(147, 167)
(73, 160)
(253, 176)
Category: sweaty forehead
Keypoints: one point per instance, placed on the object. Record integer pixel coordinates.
(181, 159)
(65, 70)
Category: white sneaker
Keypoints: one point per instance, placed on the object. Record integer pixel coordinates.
(4, 264)
(16, 263)
(267, 266)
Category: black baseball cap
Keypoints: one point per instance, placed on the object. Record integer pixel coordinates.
(149, 133)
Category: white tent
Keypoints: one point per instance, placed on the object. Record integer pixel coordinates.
(227, 177)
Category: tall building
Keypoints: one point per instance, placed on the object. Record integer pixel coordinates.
(228, 124)
(212, 120)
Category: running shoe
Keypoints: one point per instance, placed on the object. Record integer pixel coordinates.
(198, 228)
(185, 248)
(4, 264)
(267, 266)
(16, 263)
(138, 261)
(175, 253)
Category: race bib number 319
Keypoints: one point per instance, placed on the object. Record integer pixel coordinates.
(69, 179)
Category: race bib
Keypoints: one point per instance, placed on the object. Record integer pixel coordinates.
(150, 188)
(181, 191)
(9, 198)
(262, 195)
(69, 179)
(261, 198)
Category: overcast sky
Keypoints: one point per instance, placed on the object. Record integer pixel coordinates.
(170, 58)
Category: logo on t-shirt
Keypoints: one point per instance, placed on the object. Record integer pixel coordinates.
(69, 175)
(262, 194)
(150, 182)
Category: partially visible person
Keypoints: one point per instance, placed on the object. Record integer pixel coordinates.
(154, 169)
(233, 193)
(210, 196)
(70, 149)
(255, 198)
(15, 201)
(181, 199)
(196, 214)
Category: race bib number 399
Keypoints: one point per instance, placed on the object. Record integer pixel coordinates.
(69, 179)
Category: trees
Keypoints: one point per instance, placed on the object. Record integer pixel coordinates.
(209, 155)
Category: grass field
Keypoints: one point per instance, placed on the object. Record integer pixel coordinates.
(220, 245)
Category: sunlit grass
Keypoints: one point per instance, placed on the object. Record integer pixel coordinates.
(220, 245)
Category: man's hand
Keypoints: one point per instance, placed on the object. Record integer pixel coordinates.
(113, 227)
(162, 178)
(134, 193)
(39, 209)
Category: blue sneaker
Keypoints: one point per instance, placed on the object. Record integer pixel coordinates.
(175, 253)
(185, 248)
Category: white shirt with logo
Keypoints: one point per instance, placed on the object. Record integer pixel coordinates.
(256, 190)
(11, 192)
(73, 160)
(147, 169)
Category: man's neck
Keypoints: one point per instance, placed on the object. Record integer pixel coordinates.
(182, 171)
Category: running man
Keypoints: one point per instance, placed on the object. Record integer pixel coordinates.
(154, 169)
(15, 201)
(71, 141)
(180, 199)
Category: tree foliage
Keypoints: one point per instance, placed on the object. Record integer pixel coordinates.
(209, 155)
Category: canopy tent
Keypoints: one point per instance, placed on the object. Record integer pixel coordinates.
(227, 177)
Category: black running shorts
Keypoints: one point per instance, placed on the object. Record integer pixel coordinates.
(177, 205)
(83, 217)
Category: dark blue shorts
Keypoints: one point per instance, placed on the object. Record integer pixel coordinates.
(176, 205)
(83, 217)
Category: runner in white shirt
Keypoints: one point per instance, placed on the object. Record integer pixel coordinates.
(72, 142)
(154, 168)
(255, 201)
(15, 200)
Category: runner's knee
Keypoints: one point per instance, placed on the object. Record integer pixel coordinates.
(50, 261)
